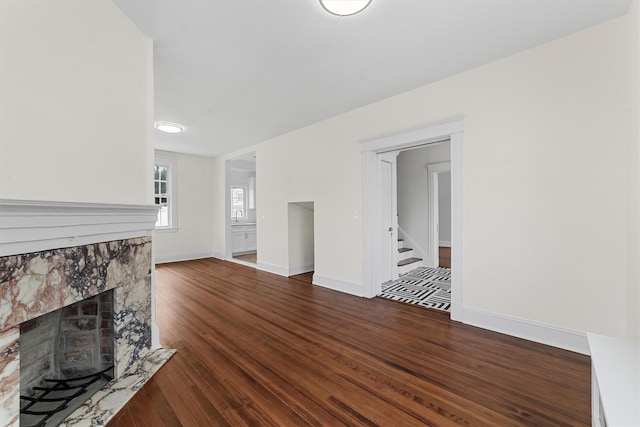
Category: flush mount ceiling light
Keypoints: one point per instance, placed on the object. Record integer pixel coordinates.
(169, 127)
(344, 7)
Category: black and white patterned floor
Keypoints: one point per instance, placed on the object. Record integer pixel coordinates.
(424, 286)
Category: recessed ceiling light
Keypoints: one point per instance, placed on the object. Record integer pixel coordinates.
(344, 7)
(169, 127)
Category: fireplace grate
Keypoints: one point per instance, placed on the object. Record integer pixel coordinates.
(55, 398)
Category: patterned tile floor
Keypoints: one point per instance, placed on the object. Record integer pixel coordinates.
(424, 286)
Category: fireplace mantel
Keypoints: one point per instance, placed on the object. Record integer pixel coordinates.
(53, 254)
(32, 226)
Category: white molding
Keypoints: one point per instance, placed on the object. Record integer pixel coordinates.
(32, 226)
(162, 259)
(155, 336)
(299, 269)
(417, 249)
(338, 285)
(527, 329)
(272, 268)
(451, 129)
(413, 137)
(218, 255)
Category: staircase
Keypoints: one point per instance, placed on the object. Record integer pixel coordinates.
(406, 260)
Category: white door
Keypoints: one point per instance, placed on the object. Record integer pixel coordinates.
(389, 243)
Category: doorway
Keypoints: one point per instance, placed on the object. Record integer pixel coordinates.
(241, 210)
(372, 152)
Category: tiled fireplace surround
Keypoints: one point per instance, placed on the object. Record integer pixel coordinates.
(55, 254)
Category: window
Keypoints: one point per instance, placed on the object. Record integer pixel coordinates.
(164, 192)
(238, 203)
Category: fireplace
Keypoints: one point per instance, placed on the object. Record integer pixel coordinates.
(67, 355)
(97, 291)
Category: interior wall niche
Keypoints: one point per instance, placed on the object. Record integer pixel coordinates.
(301, 237)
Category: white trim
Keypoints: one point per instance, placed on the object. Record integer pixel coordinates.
(155, 335)
(433, 132)
(299, 269)
(450, 129)
(444, 244)
(272, 268)
(162, 259)
(457, 282)
(338, 285)
(527, 329)
(32, 226)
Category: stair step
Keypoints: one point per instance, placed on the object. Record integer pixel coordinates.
(404, 250)
(408, 261)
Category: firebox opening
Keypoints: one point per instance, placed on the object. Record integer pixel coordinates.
(74, 343)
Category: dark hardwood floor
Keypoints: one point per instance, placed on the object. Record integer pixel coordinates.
(255, 349)
(304, 277)
(444, 254)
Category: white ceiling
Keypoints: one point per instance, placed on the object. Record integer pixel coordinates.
(237, 72)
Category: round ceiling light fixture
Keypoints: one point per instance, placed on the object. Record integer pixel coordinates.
(169, 127)
(344, 7)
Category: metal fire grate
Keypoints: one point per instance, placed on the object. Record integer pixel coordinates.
(37, 411)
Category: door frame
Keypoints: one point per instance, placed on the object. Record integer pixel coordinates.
(372, 149)
(434, 169)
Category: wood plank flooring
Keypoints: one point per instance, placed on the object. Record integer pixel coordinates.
(444, 254)
(255, 349)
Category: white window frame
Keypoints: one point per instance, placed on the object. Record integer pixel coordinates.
(171, 163)
(244, 202)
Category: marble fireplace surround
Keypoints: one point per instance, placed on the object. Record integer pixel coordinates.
(55, 254)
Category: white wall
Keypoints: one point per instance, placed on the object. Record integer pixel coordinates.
(633, 225)
(413, 192)
(194, 235)
(76, 103)
(444, 207)
(301, 255)
(549, 187)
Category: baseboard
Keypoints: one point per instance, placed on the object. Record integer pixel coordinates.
(338, 285)
(527, 329)
(272, 268)
(161, 259)
(444, 244)
(300, 269)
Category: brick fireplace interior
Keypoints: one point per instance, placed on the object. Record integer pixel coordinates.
(73, 342)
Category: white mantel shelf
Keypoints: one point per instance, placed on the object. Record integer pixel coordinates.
(31, 226)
